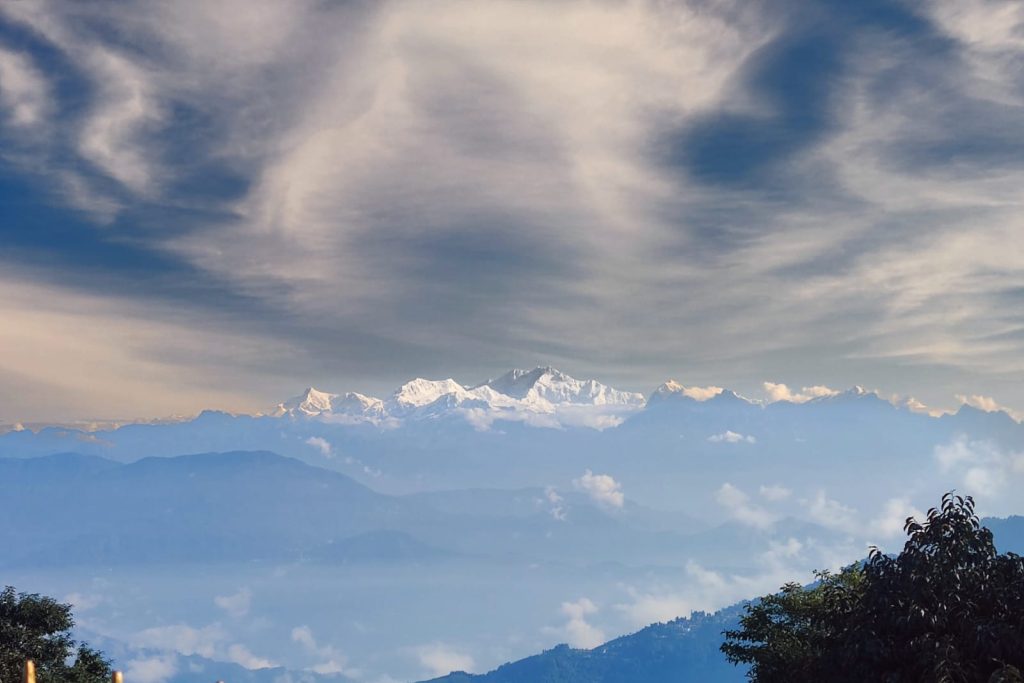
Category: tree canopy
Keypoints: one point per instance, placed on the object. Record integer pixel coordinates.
(948, 608)
(39, 628)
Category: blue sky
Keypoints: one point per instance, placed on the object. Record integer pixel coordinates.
(214, 204)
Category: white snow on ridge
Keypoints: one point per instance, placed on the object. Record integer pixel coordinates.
(543, 397)
(314, 402)
(548, 385)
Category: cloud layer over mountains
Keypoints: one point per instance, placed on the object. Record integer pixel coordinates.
(208, 198)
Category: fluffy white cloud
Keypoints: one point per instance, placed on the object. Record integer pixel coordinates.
(151, 669)
(440, 659)
(241, 655)
(889, 524)
(555, 500)
(578, 631)
(987, 403)
(696, 393)
(831, 513)
(321, 444)
(984, 470)
(328, 659)
(775, 493)
(781, 392)
(236, 604)
(211, 641)
(182, 638)
(602, 488)
(741, 509)
(730, 436)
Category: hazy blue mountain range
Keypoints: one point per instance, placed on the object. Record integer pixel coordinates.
(448, 527)
(69, 509)
(673, 452)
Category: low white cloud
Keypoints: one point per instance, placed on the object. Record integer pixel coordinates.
(441, 659)
(602, 488)
(704, 589)
(328, 659)
(211, 642)
(241, 655)
(730, 436)
(151, 669)
(983, 469)
(237, 604)
(775, 493)
(696, 393)
(82, 602)
(741, 509)
(321, 444)
(578, 631)
(987, 403)
(781, 392)
(889, 524)
(555, 500)
(182, 638)
(831, 514)
(916, 406)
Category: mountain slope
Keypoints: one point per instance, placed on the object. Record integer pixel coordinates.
(679, 651)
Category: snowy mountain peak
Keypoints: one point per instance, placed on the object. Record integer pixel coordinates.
(310, 402)
(421, 392)
(550, 385)
(313, 402)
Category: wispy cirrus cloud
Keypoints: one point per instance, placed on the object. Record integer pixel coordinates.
(384, 190)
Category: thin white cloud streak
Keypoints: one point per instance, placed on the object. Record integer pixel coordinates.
(67, 355)
(24, 93)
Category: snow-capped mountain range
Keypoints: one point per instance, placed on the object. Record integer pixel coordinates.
(543, 397)
(523, 395)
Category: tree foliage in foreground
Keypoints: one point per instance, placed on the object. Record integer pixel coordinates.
(948, 608)
(39, 628)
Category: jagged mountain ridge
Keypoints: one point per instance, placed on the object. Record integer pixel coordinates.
(523, 395)
(541, 390)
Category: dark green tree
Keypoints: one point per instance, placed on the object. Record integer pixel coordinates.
(39, 628)
(948, 608)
